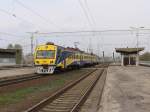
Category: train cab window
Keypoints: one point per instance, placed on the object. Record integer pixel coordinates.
(45, 54)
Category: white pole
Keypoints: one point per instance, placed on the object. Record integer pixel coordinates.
(137, 36)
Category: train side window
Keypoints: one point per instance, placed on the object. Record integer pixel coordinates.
(77, 56)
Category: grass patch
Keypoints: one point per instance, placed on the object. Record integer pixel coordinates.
(20, 94)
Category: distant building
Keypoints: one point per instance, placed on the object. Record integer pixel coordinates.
(10, 56)
(129, 56)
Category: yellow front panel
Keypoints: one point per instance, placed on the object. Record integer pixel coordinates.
(44, 61)
(46, 47)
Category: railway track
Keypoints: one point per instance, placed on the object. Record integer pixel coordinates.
(71, 97)
(7, 82)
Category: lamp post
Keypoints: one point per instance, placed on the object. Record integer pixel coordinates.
(137, 29)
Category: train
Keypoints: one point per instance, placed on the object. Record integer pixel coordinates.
(50, 57)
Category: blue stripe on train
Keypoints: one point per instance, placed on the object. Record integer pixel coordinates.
(63, 56)
(80, 63)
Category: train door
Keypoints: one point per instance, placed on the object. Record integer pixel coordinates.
(81, 59)
(64, 63)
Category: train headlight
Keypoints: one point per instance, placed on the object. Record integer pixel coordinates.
(51, 61)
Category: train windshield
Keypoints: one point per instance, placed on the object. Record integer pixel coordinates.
(45, 54)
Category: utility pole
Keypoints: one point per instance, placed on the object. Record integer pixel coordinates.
(32, 37)
(103, 56)
(76, 44)
(37, 42)
(32, 45)
(149, 44)
(90, 46)
(113, 57)
(137, 44)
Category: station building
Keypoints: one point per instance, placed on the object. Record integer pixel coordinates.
(10, 57)
(129, 56)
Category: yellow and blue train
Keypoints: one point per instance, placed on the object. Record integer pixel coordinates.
(49, 57)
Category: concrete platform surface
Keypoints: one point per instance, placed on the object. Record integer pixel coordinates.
(127, 89)
(16, 72)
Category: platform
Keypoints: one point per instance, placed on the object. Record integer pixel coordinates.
(16, 72)
(127, 89)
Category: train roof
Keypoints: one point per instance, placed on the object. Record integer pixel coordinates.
(71, 49)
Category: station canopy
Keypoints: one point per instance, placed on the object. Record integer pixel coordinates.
(129, 50)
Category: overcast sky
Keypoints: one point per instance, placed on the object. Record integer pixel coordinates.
(21, 16)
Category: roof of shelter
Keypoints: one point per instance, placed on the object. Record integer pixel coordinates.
(129, 50)
(9, 50)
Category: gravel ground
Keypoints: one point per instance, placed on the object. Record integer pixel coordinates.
(127, 89)
(18, 97)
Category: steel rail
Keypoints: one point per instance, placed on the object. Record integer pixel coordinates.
(20, 79)
(84, 97)
(59, 94)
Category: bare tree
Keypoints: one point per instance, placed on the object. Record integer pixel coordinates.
(10, 46)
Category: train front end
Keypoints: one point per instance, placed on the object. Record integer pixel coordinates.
(45, 58)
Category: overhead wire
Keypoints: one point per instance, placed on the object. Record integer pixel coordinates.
(93, 23)
(9, 34)
(12, 6)
(89, 12)
(85, 31)
(17, 17)
(39, 15)
(85, 13)
(20, 19)
(90, 20)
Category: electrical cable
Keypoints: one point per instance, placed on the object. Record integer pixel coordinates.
(17, 17)
(37, 14)
(85, 13)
